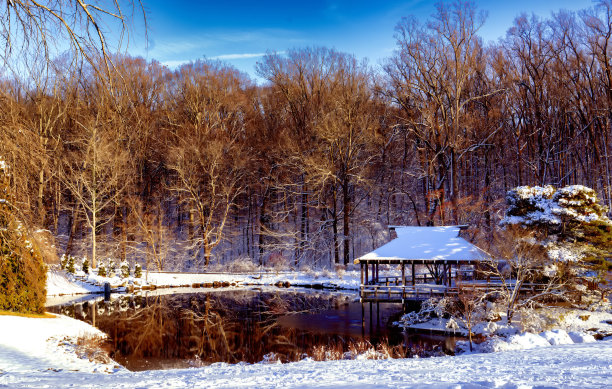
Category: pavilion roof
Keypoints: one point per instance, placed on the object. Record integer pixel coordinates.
(427, 244)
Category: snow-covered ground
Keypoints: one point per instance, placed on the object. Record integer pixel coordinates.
(46, 344)
(40, 353)
(59, 283)
(348, 280)
(44, 352)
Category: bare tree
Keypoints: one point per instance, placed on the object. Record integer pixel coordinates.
(518, 265)
(150, 229)
(432, 78)
(95, 175)
(206, 158)
(471, 301)
(33, 28)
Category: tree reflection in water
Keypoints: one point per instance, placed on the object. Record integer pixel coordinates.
(186, 330)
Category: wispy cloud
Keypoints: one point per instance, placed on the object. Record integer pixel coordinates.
(238, 56)
(252, 42)
(173, 64)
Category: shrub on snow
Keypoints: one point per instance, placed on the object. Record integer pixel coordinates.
(125, 269)
(85, 266)
(70, 265)
(23, 273)
(242, 264)
(137, 271)
(102, 270)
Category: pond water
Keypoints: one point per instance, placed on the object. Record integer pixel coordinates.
(251, 325)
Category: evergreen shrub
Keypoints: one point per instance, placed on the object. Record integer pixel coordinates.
(102, 270)
(70, 265)
(137, 271)
(125, 270)
(23, 274)
(85, 266)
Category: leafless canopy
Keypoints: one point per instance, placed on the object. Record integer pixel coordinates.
(36, 31)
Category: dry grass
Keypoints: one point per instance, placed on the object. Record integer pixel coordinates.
(45, 315)
(92, 347)
(360, 349)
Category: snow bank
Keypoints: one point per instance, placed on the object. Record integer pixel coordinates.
(556, 337)
(45, 344)
(581, 337)
(524, 341)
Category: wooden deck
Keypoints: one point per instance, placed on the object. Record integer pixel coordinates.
(393, 290)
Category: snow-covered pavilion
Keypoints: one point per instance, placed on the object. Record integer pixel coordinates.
(440, 249)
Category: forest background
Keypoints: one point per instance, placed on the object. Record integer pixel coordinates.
(112, 156)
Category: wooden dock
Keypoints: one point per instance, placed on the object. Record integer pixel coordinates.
(392, 289)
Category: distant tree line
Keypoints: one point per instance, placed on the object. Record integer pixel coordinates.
(200, 165)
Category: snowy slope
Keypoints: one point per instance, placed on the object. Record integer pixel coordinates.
(25, 360)
(28, 345)
(59, 284)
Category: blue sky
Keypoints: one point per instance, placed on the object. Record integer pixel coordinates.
(240, 32)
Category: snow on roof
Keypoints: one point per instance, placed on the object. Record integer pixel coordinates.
(427, 243)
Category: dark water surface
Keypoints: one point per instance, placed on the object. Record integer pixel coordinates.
(251, 325)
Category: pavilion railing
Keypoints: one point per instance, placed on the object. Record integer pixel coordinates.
(391, 289)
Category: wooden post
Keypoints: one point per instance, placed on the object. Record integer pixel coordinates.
(413, 276)
(366, 273)
(107, 291)
(373, 273)
(403, 284)
(361, 263)
(377, 272)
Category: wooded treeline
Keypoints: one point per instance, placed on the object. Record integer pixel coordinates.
(182, 168)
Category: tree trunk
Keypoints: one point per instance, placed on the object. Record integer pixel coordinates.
(346, 199)
(335, 228)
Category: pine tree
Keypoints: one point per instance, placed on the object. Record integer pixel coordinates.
(569, 221)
